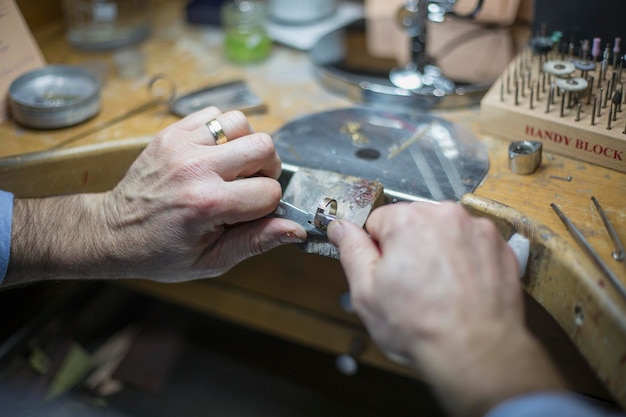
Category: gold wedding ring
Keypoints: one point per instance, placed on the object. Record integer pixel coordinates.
(216, 130)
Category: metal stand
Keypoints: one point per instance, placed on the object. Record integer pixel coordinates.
(419, 84)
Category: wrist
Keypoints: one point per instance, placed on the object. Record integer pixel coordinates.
(489, 369)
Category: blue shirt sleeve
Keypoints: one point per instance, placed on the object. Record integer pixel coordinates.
(555, 404)
(6, 219)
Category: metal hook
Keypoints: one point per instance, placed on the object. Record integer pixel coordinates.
(170, 94)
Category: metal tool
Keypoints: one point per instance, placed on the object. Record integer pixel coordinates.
(426, 81)
(316, 223)
(618, 253)
(584, 244)
(232, 95)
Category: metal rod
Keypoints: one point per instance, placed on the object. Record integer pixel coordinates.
(593, 113)
(584, 244)
(618, 253)
(556, 177)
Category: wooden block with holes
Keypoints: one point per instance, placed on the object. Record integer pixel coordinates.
(516, 108)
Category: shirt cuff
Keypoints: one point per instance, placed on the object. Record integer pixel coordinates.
(550, 404)
(6, 220)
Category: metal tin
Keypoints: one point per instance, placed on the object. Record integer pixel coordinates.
(54, 96)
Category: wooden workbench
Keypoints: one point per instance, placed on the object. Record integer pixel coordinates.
(297, 296)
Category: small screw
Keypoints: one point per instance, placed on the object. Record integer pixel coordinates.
(556, 177)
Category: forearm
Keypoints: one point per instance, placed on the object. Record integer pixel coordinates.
(55, 238)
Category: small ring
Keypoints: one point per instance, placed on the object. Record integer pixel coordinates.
(216, 130)
(322, 217)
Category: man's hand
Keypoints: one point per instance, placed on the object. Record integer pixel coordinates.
(187, 208)
(440, 288)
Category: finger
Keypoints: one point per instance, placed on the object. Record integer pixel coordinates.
(232, 124)
(196, 119)
(358, 253)
(235, 124)
(385, 221)
(242, 200)
(195, 127)
(248, 156)
(253, 238)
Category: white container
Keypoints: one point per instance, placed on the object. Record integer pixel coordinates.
(300, 11)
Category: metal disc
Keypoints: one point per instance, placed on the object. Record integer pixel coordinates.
(415, 156)
(572, 84)
(54, 96)
(584, 65)
(559, 68)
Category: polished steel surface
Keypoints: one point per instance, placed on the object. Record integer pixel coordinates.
(415, 156)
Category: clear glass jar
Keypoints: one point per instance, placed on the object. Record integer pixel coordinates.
(106, 24)
(245, 35)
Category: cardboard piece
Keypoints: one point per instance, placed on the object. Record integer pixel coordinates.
(19, 52)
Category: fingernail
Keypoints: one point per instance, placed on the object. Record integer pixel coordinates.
(291, 237)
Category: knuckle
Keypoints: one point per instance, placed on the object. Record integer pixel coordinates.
(236, 116)
(264, 144)
(273, 190)
(235, 123)
(487, 227)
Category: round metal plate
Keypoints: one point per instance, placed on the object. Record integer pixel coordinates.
(572, 84)
(559, 68)
(584, 65)
(54, 96)
(415, 156)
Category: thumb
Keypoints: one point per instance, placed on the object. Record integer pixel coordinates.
(358, 253)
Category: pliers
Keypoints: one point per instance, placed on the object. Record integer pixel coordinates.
(316, 223)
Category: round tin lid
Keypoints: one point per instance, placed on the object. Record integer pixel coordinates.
(54, 96)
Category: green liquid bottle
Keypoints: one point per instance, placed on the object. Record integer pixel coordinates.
(245, 36)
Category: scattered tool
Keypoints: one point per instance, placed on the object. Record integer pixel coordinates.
(618, 253)
(584, 244)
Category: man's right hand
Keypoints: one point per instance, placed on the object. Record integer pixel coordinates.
(440, 288)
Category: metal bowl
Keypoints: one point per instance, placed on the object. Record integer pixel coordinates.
(54, 96)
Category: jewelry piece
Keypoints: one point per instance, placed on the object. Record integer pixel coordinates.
(216, 130)
(326, 213)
